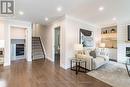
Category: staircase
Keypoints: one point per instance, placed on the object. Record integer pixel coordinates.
(37, 49)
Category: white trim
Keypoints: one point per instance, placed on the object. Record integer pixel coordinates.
(49, 58)
(56, 20)
(53, 43)
(79, 20)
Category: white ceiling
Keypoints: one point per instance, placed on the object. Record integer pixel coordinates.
(87, 10)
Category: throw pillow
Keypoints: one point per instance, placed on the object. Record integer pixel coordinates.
(86, 53)
(93, 54)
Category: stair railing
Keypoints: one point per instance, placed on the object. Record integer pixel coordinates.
(43, 49)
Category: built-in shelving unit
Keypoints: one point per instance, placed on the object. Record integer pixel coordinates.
(109, 36)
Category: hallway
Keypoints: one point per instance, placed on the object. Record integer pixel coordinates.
(44, 74)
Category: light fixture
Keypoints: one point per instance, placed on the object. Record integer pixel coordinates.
(46, 19)
(21, 12)
(114, 18)
(101, 8)
(59, 9)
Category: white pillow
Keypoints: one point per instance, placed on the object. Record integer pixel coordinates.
(87, 52)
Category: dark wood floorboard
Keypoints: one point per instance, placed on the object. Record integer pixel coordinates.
(44, 74)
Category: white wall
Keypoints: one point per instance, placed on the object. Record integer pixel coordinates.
(72, 30)
(1, 34)
(49, 40)
(69, 36)
(1, 30)
(17, 33)
(38, 30)
(122, 41)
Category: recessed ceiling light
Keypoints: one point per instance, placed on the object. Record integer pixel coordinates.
(101, 8)
(21, 12)
(46, 19)
(114, 18)
(59, 9)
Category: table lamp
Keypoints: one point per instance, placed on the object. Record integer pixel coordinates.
(78, 49)
(102, 45)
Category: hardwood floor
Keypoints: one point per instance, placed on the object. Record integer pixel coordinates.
(44, 74)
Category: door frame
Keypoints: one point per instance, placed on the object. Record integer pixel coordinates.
(53, 54)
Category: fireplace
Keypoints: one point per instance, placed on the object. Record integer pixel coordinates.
(19, 49)
(1, 51)
(128, 51)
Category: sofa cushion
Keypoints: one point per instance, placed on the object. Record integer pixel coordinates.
(86, 52)
(99, 60)
(93, 54)
(102, 52)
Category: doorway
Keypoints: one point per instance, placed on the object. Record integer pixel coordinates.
(57, 46)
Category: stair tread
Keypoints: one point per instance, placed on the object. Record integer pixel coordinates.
(36, 44)
(38, 56)
(35, 53)
(37, 50)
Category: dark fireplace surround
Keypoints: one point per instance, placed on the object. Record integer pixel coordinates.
(19, 49)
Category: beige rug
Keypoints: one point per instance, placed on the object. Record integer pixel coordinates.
(112, 73)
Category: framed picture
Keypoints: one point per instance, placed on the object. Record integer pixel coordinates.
(86, 38)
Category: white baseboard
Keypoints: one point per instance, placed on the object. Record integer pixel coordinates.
(49, 58)
(64, 67)
(6, 64)
(61, 65)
